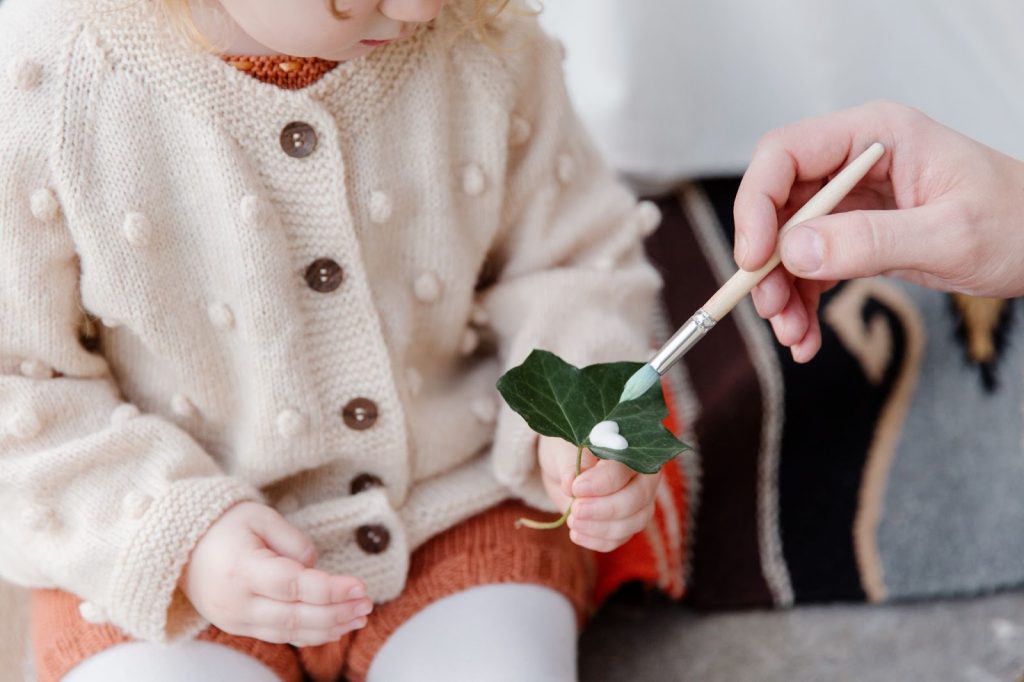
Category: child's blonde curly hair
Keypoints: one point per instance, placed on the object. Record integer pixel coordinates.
(483, 12)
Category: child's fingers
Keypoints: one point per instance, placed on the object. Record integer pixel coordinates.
(303, 637)
(604, 478)
(286, 580)
(617, 530)
(637, 495)
(290, 619)
(592, 543)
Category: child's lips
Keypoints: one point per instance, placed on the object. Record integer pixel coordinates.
(376, 43)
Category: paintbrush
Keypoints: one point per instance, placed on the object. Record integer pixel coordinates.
(740, 284)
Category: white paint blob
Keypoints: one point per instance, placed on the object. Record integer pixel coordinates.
(606, 435)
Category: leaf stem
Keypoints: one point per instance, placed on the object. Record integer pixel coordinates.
(560, 521)
(546, 525)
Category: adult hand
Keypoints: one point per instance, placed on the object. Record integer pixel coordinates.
(939, 209)
(251, 574)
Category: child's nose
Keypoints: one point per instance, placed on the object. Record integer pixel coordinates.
(411, 11)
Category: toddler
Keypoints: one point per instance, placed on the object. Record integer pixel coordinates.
(259, 277)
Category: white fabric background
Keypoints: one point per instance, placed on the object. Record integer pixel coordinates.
(676, 88)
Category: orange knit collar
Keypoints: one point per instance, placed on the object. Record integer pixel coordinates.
(290, 73)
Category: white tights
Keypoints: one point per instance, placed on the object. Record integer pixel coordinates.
(492, 633)
(195, 660)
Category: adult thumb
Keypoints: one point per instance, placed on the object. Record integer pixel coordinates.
(859, 243)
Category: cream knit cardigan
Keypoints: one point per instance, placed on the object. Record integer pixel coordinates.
(143, 184)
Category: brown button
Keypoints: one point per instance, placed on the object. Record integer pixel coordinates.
(89, 334)
(360, 414)
(298, 139)
(324, 275)
(373, 539)
(364, 482)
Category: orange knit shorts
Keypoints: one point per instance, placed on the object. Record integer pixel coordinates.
(483, 550)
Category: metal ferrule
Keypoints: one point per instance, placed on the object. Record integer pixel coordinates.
(682, 341)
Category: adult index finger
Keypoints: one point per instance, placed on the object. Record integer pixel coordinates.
(810, 150)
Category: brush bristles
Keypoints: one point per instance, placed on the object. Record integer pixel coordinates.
(639, 383)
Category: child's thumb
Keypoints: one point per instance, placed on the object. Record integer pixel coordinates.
(860, 243)
(285, 539)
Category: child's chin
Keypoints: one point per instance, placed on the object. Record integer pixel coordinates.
(353, 52)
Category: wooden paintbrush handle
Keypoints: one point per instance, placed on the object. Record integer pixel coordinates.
(822, 203)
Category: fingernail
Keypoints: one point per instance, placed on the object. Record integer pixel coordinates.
(800, 356)
(776, 323)
(357, 592)
(802, 250)
(741, 249)
(364, 609)
(581, 488)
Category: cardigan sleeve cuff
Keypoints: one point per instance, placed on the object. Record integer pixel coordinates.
(144, 599)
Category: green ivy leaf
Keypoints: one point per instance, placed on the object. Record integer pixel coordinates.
(560, 400)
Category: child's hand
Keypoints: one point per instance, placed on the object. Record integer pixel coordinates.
(613, 502)
(251, 575)
(956, 224)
